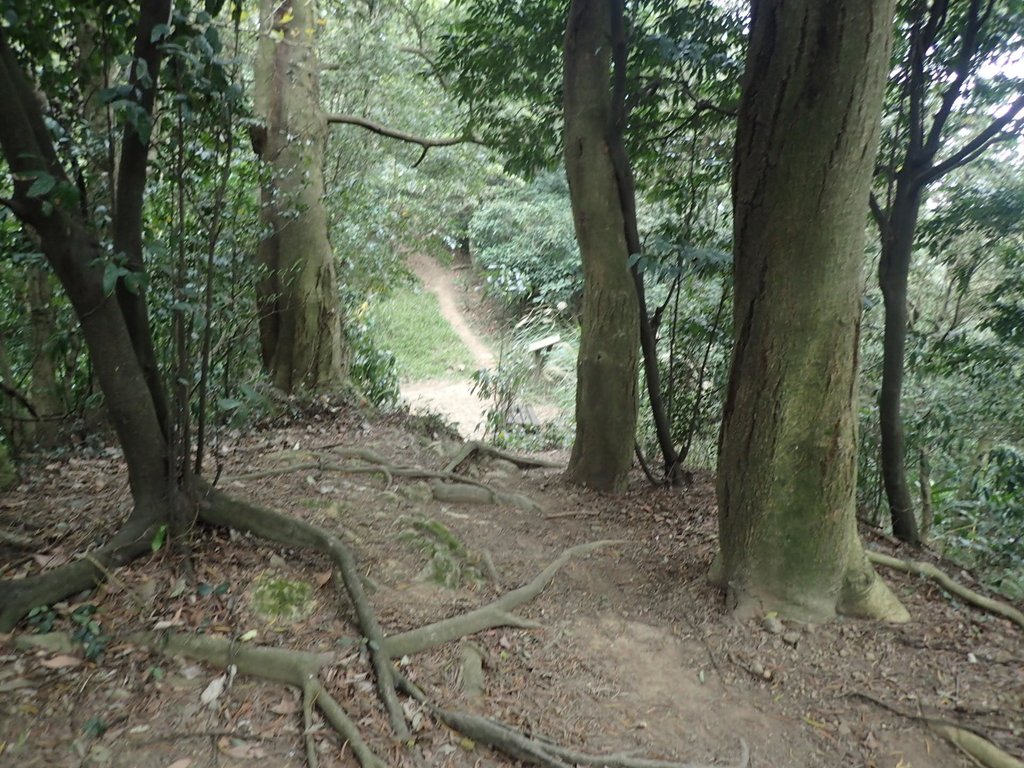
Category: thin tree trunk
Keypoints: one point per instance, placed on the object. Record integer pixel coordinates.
(129, 191)
(893, 276)
(807, 136)
(45, 391)
(73, 251)
(606, 409)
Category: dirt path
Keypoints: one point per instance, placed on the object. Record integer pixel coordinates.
(452, 399)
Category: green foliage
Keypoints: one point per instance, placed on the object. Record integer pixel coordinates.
(386, 198)
(42, 618)
(964, 374)
(524, 243)
(88, 631)
(504, 61)
(159, 538)
(451, 564)
(985, 525)
(374, 370)
(95, 727)
(525, 382)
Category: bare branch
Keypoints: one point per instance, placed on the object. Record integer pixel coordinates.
(995, 131)
(965, 60)
(392, 133)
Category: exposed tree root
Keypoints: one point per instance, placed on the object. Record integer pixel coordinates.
(532, 751)
(965, 739)
(480, 494)
(296, 668)
(471, 671)
(981, 749)
(464, 490)
(950, 584)
(523, 462)
(495, 614)
(219, 509)
(19, 540)
(19, 596)
(301, 669)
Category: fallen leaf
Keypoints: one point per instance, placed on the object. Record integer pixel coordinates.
(185, 762)
(60, 662)
(213, 690)
(285, 706)
(322, 579)
(244, 751)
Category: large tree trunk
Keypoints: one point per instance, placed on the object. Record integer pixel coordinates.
(807, 138)
(893, 274)
(606, 398)
(300, 316)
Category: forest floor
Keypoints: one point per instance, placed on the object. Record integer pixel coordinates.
(634, 651)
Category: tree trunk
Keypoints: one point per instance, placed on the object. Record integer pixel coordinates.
(77, 259)
(893, 274)
(807, 136)
(45, 390)
(132, 171)
(606, 397)
(298, 302)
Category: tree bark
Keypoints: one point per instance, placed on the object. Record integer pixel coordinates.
(936, 90)
(45, 390)
(132, 171)
(893, 276)
(298, 302)
(77, 259)
(807, 136)
(606, 397)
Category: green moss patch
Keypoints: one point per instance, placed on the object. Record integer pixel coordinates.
(282, 600)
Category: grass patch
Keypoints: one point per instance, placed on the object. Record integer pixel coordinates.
(424, 344)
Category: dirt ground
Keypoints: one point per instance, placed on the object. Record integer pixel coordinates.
(452, 397)
(634, 651)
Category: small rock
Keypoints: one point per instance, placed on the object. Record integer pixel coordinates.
(772, 624)
(791, 638)
(276, 561)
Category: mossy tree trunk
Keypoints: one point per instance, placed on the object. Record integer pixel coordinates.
(300, 315)
(606, 397)
(807, 136)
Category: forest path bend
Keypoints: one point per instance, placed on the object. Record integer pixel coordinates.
(453, 399)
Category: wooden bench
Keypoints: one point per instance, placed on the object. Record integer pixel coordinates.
(540, 348)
